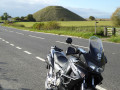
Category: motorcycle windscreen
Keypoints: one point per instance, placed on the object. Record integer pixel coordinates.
(96, 50)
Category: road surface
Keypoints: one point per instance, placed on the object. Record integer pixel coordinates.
(22, 55)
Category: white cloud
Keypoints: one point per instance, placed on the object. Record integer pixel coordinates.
(38, 1)
(86, 12)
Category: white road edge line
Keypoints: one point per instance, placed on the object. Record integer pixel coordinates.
(41, 59)
(100, 88)
(72, 44)
(36, 37)
(27, 52)
(18, 48)
(12, 44)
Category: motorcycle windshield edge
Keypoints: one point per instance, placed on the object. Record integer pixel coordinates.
(96, 48)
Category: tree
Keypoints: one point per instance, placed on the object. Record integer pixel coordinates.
(17, 19)
(5, 16)
(92, 18)
(2, 17)
(116, 17)
(30, 17)
(22, 18)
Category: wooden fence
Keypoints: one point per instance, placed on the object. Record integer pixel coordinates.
(109, 31)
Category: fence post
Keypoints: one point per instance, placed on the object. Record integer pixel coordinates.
(113, 31)
(105, 31)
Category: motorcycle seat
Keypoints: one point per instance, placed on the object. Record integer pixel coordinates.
(60, 59)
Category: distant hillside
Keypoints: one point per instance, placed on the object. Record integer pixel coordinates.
(56, 13)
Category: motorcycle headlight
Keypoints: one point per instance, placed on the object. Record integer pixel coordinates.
(96, 68)
(92, 66)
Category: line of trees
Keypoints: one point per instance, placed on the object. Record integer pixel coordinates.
(29, 17)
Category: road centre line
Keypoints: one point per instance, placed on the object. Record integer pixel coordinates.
(72, 44)
(41, 59)
(18, 48)
(27, 52)
(11, 31)
(6, 41)
(36, 37)
(3, 40)
(12, 44)
(20, 33)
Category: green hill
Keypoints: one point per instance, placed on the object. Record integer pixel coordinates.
(56, 13)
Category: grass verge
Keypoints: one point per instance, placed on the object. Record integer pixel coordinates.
(115, 39)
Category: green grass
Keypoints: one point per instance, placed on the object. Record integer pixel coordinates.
(72, 23)
(115, 39)
(1, 20)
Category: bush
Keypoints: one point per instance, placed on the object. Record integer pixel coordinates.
(6, 22)
(101, 33)
(51, 25)
(38, 26)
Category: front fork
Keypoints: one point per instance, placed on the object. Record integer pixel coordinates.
(84, 84)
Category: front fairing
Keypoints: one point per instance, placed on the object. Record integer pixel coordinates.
(96, 52)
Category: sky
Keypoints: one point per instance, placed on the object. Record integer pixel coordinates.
(84, 8)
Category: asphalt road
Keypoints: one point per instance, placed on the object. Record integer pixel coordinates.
(22, 55)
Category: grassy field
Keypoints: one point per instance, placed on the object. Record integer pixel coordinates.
(72, 23)
(83, 29)
(1, 20)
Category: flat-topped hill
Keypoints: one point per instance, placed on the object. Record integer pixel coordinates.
(56, 13)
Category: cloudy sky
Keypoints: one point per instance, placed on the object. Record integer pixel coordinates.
(84, 8)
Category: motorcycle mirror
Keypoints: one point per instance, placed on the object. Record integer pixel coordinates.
(69, 40)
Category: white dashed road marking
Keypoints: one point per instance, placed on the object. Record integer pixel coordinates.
(27, 52)
(40, 59)
(36, 37)
(61, 42)
(12, 44)
(18, 48)
(20, 33)
(3, 40)
(6, 41)
(11, 31)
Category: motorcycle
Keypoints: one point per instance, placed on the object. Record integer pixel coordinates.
(82, 71)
